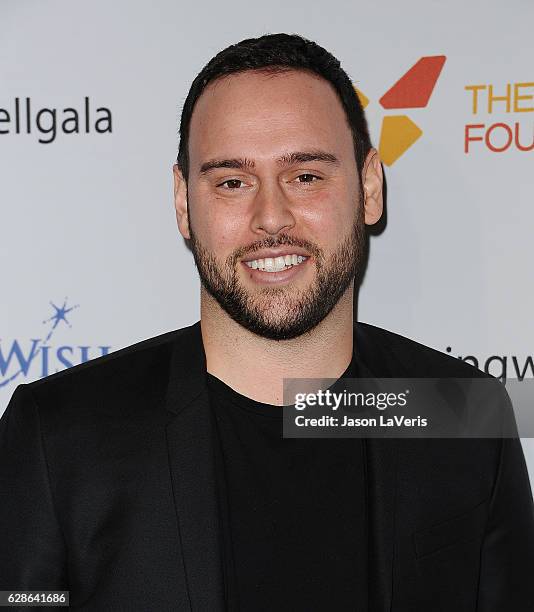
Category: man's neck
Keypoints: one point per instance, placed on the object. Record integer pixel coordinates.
(256, 366)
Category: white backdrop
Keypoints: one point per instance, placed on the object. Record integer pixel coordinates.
(87, 220)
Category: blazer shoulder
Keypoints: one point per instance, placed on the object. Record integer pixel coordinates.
(408, 358)
(124, 373)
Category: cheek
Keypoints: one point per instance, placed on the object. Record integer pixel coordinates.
(220, 232)
(215, 226)
(328, 219)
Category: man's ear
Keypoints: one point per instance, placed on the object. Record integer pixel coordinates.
(372, 180)
(180, 202)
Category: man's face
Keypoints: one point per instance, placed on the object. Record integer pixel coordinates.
(273, 174)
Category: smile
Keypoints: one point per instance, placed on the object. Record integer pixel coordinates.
(271, 270)
(276, 264)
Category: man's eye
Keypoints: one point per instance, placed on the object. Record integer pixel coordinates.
(307, 178)
(231, 184)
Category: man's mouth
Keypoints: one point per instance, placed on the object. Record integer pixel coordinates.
(276, 264)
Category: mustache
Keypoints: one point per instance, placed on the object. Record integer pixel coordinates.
(271, 242)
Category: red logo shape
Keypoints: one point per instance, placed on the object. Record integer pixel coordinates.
(414, 88)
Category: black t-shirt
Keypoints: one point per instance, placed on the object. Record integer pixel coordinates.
(293, 510)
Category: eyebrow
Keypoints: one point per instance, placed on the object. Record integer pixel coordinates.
(288, 159)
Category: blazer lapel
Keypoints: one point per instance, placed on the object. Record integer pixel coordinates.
(190, 441)
(382, 461)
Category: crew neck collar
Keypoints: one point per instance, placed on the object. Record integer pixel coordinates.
(268, 410)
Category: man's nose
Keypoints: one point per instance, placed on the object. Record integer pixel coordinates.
(272, 210)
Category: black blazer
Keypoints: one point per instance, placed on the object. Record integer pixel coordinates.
(108, 490)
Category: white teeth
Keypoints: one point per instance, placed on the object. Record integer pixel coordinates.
(275, 264)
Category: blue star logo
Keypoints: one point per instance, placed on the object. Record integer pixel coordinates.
(58, 316)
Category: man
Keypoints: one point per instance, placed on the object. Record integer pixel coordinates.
(157, 478)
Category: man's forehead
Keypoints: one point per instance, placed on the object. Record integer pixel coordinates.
(258, 91)
(272, 115)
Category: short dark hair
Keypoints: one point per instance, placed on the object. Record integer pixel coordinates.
(278, 53)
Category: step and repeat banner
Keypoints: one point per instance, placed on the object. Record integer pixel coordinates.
(90, 99)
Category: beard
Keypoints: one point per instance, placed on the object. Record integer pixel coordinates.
(283, 312)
